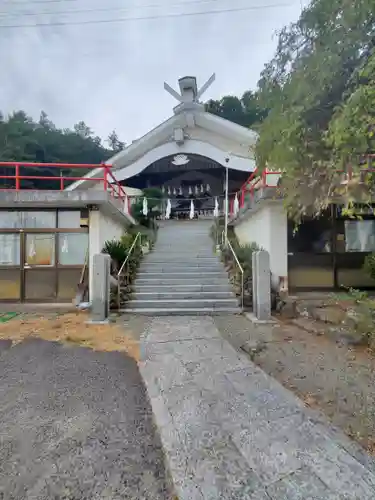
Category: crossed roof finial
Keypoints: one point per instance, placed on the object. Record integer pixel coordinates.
(188, 89)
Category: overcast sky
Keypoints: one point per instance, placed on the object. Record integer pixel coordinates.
(111, 74)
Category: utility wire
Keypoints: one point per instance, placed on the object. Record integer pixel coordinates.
(142, 18)
(5, 15)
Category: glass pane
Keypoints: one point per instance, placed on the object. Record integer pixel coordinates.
(40, 284)
(10, 284)
(38, 220)
(73, 248)
(67, 284)
(27, 219)
(40, 249)
(359, 236)
(9, 249)
(312, 235)
(69, 219)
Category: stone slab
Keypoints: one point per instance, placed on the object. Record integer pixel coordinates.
(251, 317)
(231, 431)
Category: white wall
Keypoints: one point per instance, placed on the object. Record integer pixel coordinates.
(267, 227)
(101, 229)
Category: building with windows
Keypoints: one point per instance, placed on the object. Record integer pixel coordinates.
(325, 253)
(47, 236)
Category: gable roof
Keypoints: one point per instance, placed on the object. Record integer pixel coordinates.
(186, 117)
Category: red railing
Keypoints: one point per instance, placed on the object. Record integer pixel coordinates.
(253, 183)
(105, 175)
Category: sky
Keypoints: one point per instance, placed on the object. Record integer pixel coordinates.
(105, 61)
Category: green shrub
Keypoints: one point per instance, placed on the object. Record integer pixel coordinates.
(117, 250)
(369, 265)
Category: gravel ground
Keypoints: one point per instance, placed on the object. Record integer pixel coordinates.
(76, 424)
(335, 379)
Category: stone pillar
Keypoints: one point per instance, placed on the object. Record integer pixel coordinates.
(254, 263)
(100, 288)
(262, 285)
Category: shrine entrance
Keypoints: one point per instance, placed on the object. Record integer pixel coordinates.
(187, 178)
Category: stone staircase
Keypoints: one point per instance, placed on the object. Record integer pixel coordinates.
(182, 274)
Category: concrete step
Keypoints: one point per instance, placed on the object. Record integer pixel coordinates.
(172, 295)
(182, 268)
(180, 263)
(181, 274)
(178, 280)
(196, 303)
(177, 311)
(165, 258)
(165, 254)
(181, 288)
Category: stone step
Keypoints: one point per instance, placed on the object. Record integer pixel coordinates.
(181, 268)
(180, 288)
(181, 263)
(165, 280)
(183, 252)
(182, 303)
(177, 311)
(166, 259)
(172, 295)
(181, 274)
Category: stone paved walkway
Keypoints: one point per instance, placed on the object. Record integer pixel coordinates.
(232, 432)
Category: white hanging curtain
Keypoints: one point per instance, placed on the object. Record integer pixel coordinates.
(168, 210)
(208, 188)
(196, 190)
(216, 209)
(191, 215)
(190, 191)
(202, 188)
(65, 248)
(169, 190)
(174, 191)
(145, 207)
(236, 205)
(163, 189)
(32, 248)
(180, 191)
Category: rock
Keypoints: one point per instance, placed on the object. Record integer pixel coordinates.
(288, 308)
(309, 326)
(253, 347)
(333, 315)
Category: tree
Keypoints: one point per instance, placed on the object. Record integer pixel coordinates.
(246, 111)
(83, 130)
(154, 201)
(114, 142)
(318, 89)
(22, 139)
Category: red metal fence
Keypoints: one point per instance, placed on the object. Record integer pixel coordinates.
(100, 173)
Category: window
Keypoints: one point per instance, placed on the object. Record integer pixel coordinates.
(311, 236)
(27, 219)
(69, 219)
(40, 249)
(73, 248)
(356, 236)
(9, 249)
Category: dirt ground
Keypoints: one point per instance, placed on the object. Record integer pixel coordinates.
(71, 328)
(336, 379)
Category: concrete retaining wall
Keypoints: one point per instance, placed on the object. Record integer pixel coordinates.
(266, 225)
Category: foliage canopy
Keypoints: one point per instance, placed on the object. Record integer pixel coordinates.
(320, 89)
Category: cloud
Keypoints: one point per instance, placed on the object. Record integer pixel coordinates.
(111, 75)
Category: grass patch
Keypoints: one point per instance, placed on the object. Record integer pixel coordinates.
(71, 328)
